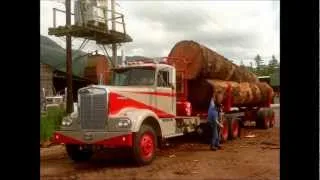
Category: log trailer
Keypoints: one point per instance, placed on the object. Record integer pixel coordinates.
(146, 103)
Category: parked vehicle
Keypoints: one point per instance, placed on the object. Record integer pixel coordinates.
(146, 103)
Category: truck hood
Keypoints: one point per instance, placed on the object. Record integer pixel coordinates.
(122, 99)
(133, 89)
(127, 98)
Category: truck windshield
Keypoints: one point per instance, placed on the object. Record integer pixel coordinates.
(137, 76)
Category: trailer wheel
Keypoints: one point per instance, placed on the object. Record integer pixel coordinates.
(266, 124)
(145, 143)
(224, 132)
(234, 128)
(263, 120)
(77, 155)
(272, 119)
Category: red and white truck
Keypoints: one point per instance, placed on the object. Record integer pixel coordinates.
(147, 102)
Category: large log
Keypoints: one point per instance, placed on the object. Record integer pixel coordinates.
(206, 63)
(243, 93)
(199, 94)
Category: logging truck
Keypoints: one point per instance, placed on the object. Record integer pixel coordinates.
(146, 103)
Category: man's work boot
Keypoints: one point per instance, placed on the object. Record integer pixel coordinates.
(212, 148)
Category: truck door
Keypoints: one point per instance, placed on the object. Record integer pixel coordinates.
(166, 100)
(165, 90)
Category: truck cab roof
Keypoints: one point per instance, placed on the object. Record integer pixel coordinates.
(144, 64)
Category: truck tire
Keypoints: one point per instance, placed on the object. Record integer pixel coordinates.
(205, 132)
(77, 155)
(145, 144)
(234, 129)
(224, 132)
(263, 120)
(272, 118)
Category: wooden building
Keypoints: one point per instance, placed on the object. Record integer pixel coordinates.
(46, 79)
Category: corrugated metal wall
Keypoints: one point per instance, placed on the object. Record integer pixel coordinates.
(46, 79)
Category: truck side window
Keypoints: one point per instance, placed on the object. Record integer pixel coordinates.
(163, 79)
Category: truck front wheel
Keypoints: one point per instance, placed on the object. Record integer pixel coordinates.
(78, 155)
(145, 143)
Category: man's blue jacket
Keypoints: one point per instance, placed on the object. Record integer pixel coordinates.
(212, 113)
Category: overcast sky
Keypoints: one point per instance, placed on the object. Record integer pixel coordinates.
(239, 30)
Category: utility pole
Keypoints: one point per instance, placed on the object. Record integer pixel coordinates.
(123, 59)
(69, 59)
(114, 45)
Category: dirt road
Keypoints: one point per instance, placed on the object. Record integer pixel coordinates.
(186, 158)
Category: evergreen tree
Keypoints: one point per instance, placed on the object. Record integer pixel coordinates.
(273, 64)
(251, 64)
(258, 61)
(260, 67)
(242, 64)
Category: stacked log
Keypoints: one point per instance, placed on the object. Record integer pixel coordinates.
(206, 63)
(191, 51)
(243, 93)
(207, 71)
(199, 93)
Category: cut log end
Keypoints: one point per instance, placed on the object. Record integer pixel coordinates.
(206, 63)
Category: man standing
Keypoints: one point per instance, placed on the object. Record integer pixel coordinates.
(213, 116)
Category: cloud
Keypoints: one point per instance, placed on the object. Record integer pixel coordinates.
(235, 29)
(172, 19)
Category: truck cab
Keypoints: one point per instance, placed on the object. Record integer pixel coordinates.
(155, 82)
(135, 111)
(146, 103)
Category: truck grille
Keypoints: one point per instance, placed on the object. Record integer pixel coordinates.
(92, 110)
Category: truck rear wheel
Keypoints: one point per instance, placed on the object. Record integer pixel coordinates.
(78, 155)
(224, 132)
(145, 143)
(263, 120)
(272, 118)
(234, 128)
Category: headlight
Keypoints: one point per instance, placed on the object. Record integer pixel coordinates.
(124, 123)
(66, 121)
(74, 115)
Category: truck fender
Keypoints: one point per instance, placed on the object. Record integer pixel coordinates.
(139, 116)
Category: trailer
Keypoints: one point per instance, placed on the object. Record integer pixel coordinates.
(145, 104)
(233, 115)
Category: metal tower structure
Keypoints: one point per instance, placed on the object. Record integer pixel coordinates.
(91, 23)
